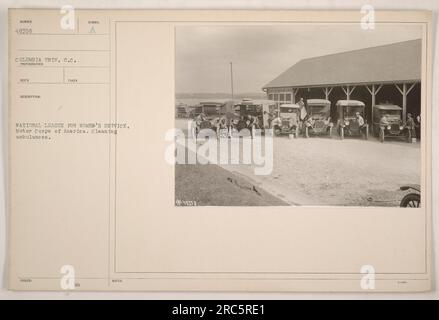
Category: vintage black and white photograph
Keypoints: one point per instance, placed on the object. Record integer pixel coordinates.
(298, 115)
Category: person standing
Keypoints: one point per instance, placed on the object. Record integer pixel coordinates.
(303, 115)
(384, 122)
(266, 117)
(302, 109)
(360, 121)
(418, 126)
(410, 125)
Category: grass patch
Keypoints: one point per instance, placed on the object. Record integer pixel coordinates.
(211, 185)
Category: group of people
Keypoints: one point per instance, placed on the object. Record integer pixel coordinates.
(361, 123)
(412, 124)
(225, 126)
(271, 119)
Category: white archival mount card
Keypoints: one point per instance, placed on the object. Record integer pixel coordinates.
(219, 150)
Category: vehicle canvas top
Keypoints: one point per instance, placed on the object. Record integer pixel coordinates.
(257, 102)
(350, 103)
(254, 103)
(212, 102)
(312, 102)
(387, 107)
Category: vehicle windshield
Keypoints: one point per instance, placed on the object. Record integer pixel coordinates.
(391, 113)
(350, 111)
(253, 108)
(198, 110)
(287, 110)
(321, 110)
(289, 116)
(211, 109)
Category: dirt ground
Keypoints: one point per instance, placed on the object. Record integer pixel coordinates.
(328, 171)
(210, 185)
(352, 172)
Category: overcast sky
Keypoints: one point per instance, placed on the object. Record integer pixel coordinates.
(261, 53)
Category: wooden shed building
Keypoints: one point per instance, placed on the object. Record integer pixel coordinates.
(383, 74)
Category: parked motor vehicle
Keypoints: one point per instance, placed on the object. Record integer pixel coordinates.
(412, 199)
(181, 110)
(213, 109)
(255, 108)
(347, 122)
(387, 122)
(208, 114)
(195, 111)
(287, 120)
(318, 121)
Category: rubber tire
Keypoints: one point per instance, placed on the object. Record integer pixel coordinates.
(341, 133)
(411, 197)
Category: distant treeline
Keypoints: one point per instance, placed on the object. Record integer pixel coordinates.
(220, 95)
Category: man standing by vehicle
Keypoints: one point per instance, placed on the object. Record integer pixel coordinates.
(276, 124)
(303, 114)
(383, 121)
(360, 120)
(199, 120)
(266, 117)
(302, 108)
(271, 116)
(252, 124)
(410, 125)
(418, 126)
(308, 123)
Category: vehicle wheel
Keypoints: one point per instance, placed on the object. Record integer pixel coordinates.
(330, 132)
(411, 200)
(276, 132)
(381, 135)
(367, 132)
(306, 132)
(297, 133)
(341, 133)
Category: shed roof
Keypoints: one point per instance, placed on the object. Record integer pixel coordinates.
(396, 62)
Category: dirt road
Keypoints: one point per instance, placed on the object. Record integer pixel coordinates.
(322, 171)
(328, 171)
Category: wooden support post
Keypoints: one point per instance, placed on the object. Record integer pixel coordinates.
(373, 92)
(404, 91)
(327, 91)
(404, 102)
(293, 95)
(348, 91)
